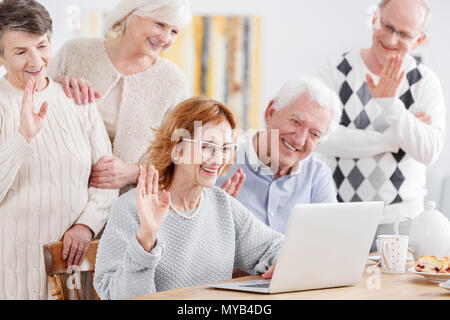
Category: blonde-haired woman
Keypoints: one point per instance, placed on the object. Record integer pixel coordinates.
(136, 86)
(176, 229)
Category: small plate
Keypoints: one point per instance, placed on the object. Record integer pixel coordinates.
(376, 258)
(445, 285)
(433, 277)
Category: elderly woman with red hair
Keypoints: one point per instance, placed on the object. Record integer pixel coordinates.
(177, 229)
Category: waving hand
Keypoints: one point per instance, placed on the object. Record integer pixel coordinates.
(390, 79)
(30, 122)
(152, 210)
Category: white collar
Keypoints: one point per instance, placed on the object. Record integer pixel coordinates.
(256, 164)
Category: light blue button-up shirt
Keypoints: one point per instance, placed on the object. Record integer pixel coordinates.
(272, 200)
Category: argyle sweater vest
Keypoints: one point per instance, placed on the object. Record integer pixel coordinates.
(395, 178)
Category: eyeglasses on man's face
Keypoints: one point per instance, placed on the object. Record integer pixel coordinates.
(209, 150)
(405, 37)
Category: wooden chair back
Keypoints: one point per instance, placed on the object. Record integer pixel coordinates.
(56, 269)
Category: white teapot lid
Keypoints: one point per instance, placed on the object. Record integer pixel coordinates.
(430, 208)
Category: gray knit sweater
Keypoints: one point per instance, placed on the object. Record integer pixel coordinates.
(205, 249)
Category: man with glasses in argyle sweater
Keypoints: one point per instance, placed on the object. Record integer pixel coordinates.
(393, 119)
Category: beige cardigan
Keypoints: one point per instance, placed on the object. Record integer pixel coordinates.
(146, 97)
(44, 184)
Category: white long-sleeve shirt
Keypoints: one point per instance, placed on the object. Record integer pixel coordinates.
(44, 184)
(381, 150)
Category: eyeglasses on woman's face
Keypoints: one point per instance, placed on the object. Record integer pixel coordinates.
(210, 150)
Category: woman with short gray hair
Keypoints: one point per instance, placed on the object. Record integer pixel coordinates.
(47, 148)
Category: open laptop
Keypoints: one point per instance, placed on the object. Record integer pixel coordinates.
(326, 246)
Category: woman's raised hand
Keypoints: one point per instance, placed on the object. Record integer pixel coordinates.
(390, 79)
(30, 122)
(151, 209)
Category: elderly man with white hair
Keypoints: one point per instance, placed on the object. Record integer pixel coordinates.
(277, 163)
(393, 119)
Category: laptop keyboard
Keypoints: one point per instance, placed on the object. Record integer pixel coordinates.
(257, 285)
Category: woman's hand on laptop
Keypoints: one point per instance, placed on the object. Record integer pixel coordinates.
(269, 273)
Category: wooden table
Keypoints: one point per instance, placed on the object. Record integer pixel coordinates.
(373, 286)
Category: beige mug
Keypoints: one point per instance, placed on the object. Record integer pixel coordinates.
(393, 251)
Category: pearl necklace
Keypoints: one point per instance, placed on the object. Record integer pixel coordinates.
(187, 217)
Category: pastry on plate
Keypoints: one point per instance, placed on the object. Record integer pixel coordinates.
(445, 266)
(428, 264)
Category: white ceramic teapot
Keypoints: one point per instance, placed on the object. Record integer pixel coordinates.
(429, 234)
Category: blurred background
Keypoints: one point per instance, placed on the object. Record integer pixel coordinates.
(275, 41)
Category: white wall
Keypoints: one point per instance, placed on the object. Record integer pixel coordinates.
(300, 35)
